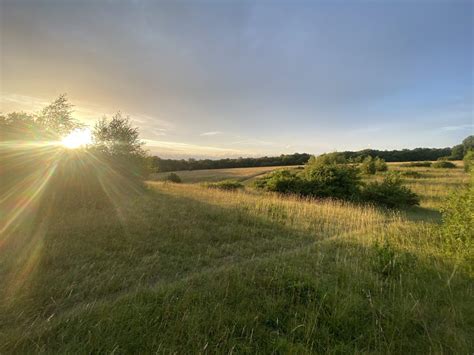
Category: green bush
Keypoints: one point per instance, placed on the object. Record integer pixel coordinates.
(468, 160)
(340, 181)
(443, 164)
(368, 166)
(411, 174)
(458, 221)
(389, 193)
(380, 164)
(283, 181)
(173, 177)
(228, 185)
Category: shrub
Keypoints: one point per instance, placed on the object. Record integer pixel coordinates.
(333, 180)
(468, 160)
(368, 166)
(380, 164)
(443, 164)
(417, 164)
(389, 193)
(283, 181)
(458, 221)
(412, 174)
(228, 185)
(173, 177)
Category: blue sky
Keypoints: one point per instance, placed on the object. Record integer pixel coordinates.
(249, 78)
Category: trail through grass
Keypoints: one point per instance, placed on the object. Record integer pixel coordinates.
(181, 268)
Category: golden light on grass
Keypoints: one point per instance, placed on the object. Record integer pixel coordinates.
(78, 138)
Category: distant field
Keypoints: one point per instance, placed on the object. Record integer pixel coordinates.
(213, 175)
(181, 268)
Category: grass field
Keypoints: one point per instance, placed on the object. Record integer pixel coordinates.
(244, 175)
(179, 268)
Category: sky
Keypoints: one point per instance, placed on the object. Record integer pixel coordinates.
(249, 78)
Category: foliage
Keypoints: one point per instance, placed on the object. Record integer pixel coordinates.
(389, 193)
(228, 185)
(368, 166)
(283, 181)
(380, 164)
(411, 174)
(173, 177)
(417, 164)
(468, 160)
(443, 164)
(165, 165)
(119, 144)
(458, 221)
(340, 181)
(52, 123)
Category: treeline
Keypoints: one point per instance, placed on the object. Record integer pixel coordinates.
(164, 165)
(404, 155)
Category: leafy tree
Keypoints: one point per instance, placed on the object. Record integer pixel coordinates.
(57, 118)
(468, 144)
(457, 152)
(368, 166)
(118, 142)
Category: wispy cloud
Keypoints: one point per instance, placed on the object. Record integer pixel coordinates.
(168, 147)
(212, 133)
(462, 127)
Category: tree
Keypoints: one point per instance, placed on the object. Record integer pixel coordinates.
(457, 152)
(118, 142)
(468, 144)
(56, 118)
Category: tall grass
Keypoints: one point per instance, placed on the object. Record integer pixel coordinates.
(186, 269)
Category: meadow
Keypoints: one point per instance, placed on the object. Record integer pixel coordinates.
(180, 268)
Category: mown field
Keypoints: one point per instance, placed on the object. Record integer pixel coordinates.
(214, 175)
(179, 268)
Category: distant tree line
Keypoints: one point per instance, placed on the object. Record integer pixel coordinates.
(163, 165)
(404, 155)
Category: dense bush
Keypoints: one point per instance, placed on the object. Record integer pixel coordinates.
(368, 166)
(283, 181)
(332, 180)
(411, 174)
(322, 177)
(172, 177)
(389, 193)
(228, 185)
(380, 164)
(443, 164)
(417, 164)
(468, 160)
(458, 221)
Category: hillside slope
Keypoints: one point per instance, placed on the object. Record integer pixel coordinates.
(181, 268)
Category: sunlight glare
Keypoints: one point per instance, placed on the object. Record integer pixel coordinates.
(78, 138)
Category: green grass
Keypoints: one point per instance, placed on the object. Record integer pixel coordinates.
(180, 268)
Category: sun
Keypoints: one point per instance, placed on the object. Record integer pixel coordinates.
(78, 138)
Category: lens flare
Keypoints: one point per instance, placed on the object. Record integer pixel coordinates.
(78, 138)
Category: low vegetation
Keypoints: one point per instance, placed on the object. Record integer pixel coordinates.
(94, 260)
(227, 185)
(443, 164)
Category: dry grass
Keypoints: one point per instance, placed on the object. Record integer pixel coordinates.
(214, 175)
(185, 269)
